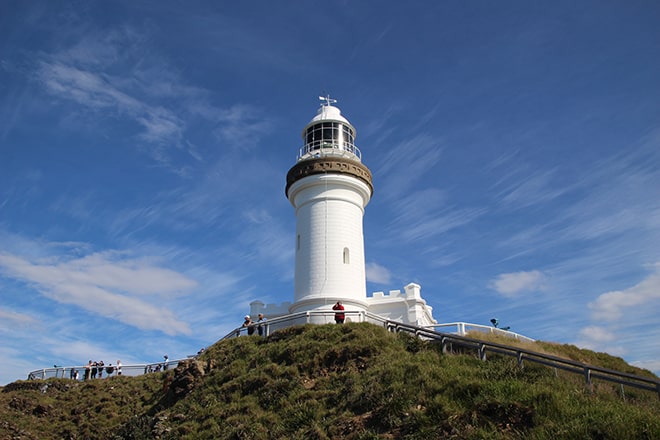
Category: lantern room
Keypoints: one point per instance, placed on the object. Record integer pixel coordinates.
(329, 134)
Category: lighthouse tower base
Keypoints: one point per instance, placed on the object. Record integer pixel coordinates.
(407, 307)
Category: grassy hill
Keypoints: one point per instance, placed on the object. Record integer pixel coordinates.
(355, 381)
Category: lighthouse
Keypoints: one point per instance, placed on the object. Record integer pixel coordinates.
(329, 188)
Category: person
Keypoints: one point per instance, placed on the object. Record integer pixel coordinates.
(249, 324)
(339, 317)
(88, 370)
(94, 369)
(261, 328)
(118, 365)
(165, 362)
(101, 366)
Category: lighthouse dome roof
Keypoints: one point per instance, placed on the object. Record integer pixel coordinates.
(329, 113)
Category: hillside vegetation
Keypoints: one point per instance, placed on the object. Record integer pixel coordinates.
(355, 381)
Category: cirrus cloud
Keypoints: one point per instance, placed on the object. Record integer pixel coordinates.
(515, 283)
(610, 306)
(106, 284)
(378, 274)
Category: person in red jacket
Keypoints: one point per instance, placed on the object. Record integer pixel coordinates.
(339, 317)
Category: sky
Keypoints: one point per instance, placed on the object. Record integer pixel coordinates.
(144, 146)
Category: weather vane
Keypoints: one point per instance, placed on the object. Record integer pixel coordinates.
(327, 100)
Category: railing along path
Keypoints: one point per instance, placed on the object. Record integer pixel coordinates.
(447, 340)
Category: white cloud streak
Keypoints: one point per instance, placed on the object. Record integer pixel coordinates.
(378, 274)
(597, 334)
(515, 283)
(611, 306)
(148, 94)
(97, 91)
(535, 189)
(10, 319)
(104, 285)
(407, 162)
(599, 338)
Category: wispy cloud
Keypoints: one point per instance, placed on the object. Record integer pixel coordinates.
(241, 122)
(378, 274)
(599, 338)
(106, 284)
(651, 365)
(425, 214)
(429, 226)
(267, 239)
(611, 306)
(533, 189)
(147, 94)
(515, 283)
(407, 162)
(597, 334)
(99, 91)
(10, 319)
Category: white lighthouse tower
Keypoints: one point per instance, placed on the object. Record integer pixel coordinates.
(329, 188)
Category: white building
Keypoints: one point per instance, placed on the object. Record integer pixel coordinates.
(329, 188)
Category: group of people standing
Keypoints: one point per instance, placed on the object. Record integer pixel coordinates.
(95, 369)
(251, 325)
(155, 368)
(259, 323)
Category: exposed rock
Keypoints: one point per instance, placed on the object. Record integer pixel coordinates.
(160, 427)
(40, 385)
(186, 374)
(42, 410)
(20, 404)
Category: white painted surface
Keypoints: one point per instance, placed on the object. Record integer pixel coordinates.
(329, 216)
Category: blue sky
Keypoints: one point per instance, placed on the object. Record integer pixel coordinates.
(514, 145)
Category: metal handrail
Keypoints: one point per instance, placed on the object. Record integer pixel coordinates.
(329, 149)
(307, 317)
(590, 372)
(65, 372)
(447, 340)
(462, 328)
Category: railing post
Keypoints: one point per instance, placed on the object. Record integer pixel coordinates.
(587, 378)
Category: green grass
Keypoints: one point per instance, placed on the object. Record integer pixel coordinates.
(355, 381)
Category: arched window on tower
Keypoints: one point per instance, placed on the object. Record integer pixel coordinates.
(347, 256)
